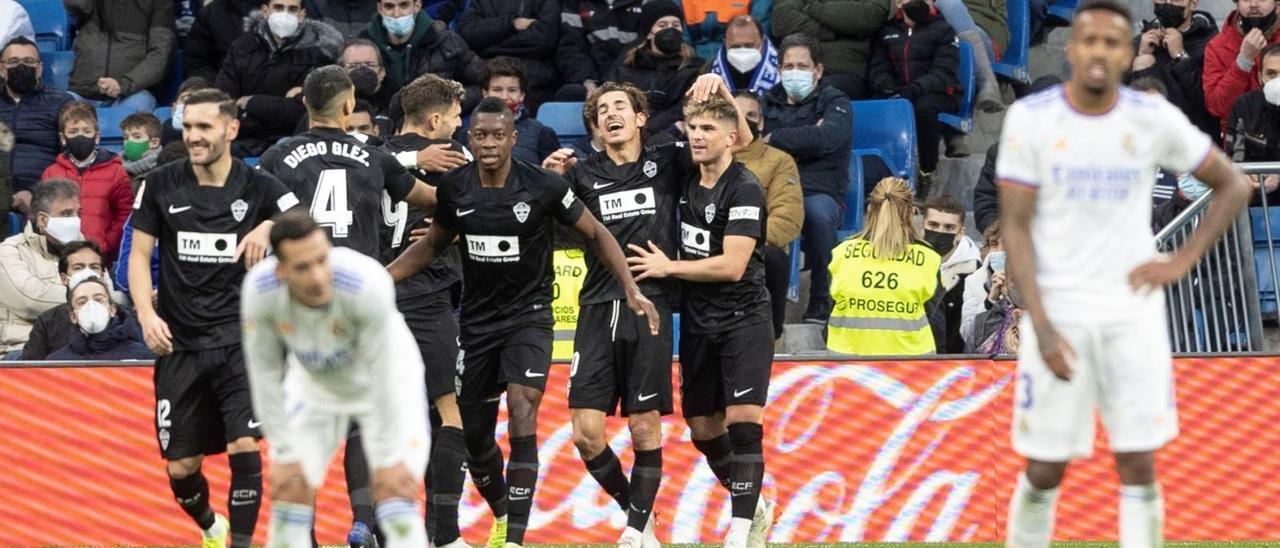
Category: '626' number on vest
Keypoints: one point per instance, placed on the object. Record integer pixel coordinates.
(879, 280)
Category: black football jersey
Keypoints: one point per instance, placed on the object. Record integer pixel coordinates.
(198, 229)
(637, 203)
(506, 239)
(399, 219)
(734, 207)
(341, 180)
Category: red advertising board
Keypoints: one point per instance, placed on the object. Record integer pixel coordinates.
(855, 451)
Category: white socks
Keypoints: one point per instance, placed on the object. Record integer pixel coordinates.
(401, 523)
(290, 525)
(1030, 515)
(1141, 516)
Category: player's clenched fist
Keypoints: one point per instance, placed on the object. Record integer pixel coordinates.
(155, 332)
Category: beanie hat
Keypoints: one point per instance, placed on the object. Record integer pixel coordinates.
(654, 10)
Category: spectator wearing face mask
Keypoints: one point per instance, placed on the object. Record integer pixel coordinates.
(1171, 49)
(141, 152)
(844, 28)
(1253, 134)
(1231, 59)
(364, 66)
(77, 261)
(29, 280)
(747, 60)
(412, 44)
(990, 317)
(171, 152)
(534, 141)
(100, 331)
(660, 64)
(944, 232)
(171, 129)
(31, 110)
(106, 192)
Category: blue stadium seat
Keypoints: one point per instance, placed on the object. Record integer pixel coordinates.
(1262, 258)
(886, 128)
(853, 197)
(15, 223)
(565, 119)
(1063, 10)
(163, 113)
(1013, 61)
(51, 23)
(963, 119)
(251, 161)
(57, 68)
(111, 137)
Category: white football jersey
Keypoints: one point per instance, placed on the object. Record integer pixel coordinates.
(1094, 175)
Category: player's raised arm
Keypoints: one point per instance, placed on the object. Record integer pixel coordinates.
(421, 253)
(423, 196)
(711, 84)
(607, 249)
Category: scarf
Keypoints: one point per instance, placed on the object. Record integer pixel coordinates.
(763, 77)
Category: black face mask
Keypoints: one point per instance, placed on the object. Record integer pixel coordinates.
(22, 79)
(940, 241)
(1170, 16)
(365, 81)
(668, 41)
(755, 131)
(79, 147)
(1261, 23)
(916, 10)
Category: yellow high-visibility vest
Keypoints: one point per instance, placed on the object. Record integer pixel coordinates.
(879, 303)
(571, 270)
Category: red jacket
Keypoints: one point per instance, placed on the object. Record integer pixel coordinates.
(1222, 79)
(106, 197)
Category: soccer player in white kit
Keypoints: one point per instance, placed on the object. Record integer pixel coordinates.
(1076, 168)
(325, 346)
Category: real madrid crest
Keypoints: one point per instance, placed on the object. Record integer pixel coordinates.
(522, 211)
(1129, 145)
(650, 168)
(238, 209)
(711, 212)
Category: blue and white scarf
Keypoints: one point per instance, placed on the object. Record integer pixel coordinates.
(764, 77)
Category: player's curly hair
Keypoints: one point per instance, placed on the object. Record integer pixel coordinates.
(591, 109)
(428, 94)
(717, 107)
(889, 210)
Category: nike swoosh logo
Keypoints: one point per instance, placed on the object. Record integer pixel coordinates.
(683, 201)
(242, 502)
(465, 212)
(529, 373)
(254, 424)
(739, 394)
(176, 210)
(599, 186)
(643, 397)
(517, 498)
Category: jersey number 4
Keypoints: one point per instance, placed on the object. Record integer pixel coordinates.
(329, 206)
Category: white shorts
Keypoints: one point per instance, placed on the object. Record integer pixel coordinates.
(1124, 371)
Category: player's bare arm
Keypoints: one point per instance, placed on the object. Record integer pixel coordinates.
(560, 161)
(726, 267)
(606, 247)
(423, 196)
(1231, 192)
(1017, 205)
(710, 84)
(254, 245)
(439, 158)
(421, 253)
(155, 332)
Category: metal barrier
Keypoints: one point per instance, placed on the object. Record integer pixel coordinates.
(1216, 307)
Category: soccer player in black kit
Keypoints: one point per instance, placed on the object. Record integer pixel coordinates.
(343, 181)
(726, 333)
(503, 212)
(632, 187)
(207, 213)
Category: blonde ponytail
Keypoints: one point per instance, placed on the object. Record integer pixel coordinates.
(888, 224)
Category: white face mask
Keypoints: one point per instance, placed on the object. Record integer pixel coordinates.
(64, 229)
(282, 24)
(86, 273)
(93, 317)
(743, 59)
(1272, 91)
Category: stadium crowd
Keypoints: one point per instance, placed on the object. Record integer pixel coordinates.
(794, 66)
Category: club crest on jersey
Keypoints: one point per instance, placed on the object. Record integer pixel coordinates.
(522, 211)
(650, 168)
(238, 209)
(164, 438)
(711, 212)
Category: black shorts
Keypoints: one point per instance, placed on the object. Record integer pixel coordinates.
(722, 369)
(488, 361)
(202, 402)
(436, 330)
(615, 358)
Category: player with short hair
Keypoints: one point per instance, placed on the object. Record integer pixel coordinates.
(504, 212)
(726, 330)
(322, 339)
(1076, 167)
(207, 213)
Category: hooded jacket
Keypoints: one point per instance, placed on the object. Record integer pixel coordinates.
(257, 65)
(820, 150)
(106, 197)
(915, 61)
(1224, 80)
(129, 40)
(34, 122)
(953, 276)
(121, 340)
(488, 25)
(348, 17)
(663, 78)
(433, 48)
(845, 28)
(1182, 76)
(29, 285)
(219, 24)
(783, 198)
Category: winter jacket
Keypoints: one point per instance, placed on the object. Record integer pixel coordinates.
(821, 150)
(127, 40)
(663, 78)
(953, 275)
(29, 285)
(1223, 79)
(121, 271)
(992, 16)
(431, 48)
(1182, 76)
(534, 141)
(48, 333)
(106, 197)
(783, 198)
(487, 27)
(986, 206)
(915, 61)
(6, 194)
(348, 17)
(257, 65)
(1253, 135)
(446, 11)
(121, 340)
(593, 34)
(34, 122)
(219, 24)
(845, 28)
